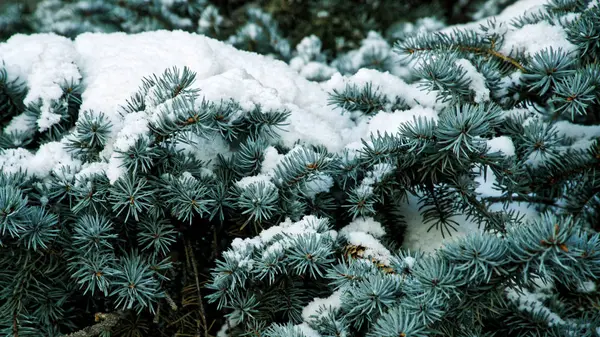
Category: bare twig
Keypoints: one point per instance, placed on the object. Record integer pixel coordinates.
(105, 322)
(190, 255)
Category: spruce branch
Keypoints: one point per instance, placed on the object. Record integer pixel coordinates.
(465, 42)
(12, 94)
(364, 99)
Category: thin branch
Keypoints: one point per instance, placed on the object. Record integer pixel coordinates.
(190, 255)
(520, 198)
(107, 321)
(485, 51)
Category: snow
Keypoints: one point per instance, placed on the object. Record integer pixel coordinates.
(20, 123)
(587, 287)
(477, 81)
(307, 331)
(90, 169)
(520, 7)
(390, 122)
(316, 70)
(205, 149)
(386, 83)
(111, 67)
(502, 144)
(373, 248)
(241, 251)
(417, 238)
(270, 161)
(222, 73)
(570, 130)
(135, 126)
(308, 224)
(486, 184)
(367, 225)
(376, 175)
(528, 39)
(318, 184)
(322, 305)
(511, 12)
(410, 261)
(274, 240)
(532, 302)
(533, 38)
(46, 62)
(13, 160)
(50, 157)
(309, 49)
(261, 178)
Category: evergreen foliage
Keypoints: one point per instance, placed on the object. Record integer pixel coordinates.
(308, 244)
(508, 281)
(471, 282)
(250, 25)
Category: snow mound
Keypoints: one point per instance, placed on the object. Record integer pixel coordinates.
(111, 68)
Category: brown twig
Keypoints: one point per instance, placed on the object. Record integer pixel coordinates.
(106, 322)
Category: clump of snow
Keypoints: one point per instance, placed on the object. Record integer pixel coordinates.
(241, 251)
(374, 52)
(309, 49)
(320, 306)
(390, 122)
(270, 161)
(307, 331)
(511, 12)
(502, 144)
(205, 149)
(112, 66)
(47, 62)
(50, 157)
(309, 62)
(316, 71)
(202, 55)
(90, 169)
(365, 233)
(367, 225)
(308, 224)
(533, 38)
(373, 248)
(374, 176)
(570, 130)
(587, 287)
(532, 302)
(20, 123)
(223, 331)
(135, 127)
(274, 240)
(318, 184)
(409, 261)
(386, 83)
(477, 81)
(520, 7)
(402, 30)
(14, 160)
(261, 178)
